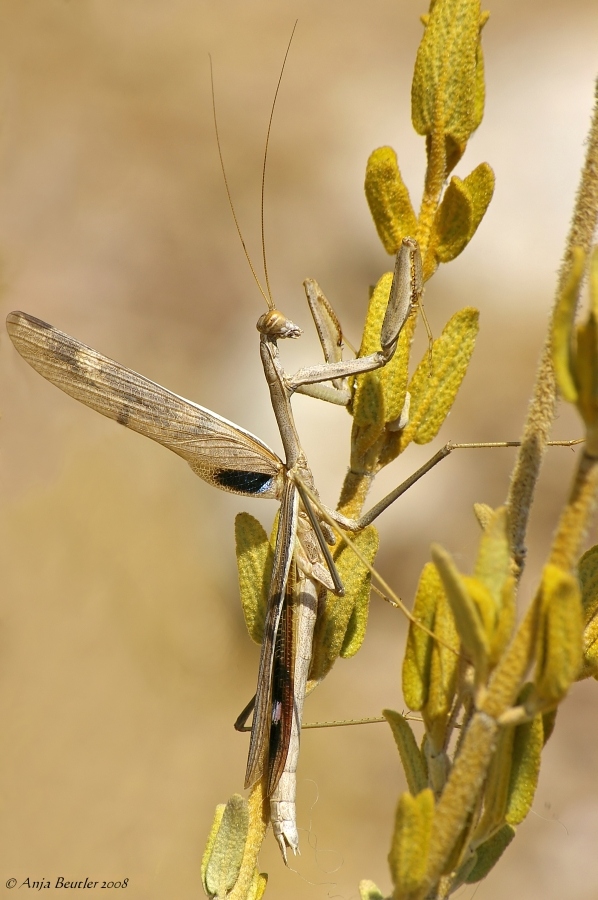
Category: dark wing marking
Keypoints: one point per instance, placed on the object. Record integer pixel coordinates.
(282, 702)
(217, 450)
(263, 710)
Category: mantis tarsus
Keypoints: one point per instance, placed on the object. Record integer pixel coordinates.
(227, 456)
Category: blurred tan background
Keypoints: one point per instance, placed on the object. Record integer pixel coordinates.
(124, 658)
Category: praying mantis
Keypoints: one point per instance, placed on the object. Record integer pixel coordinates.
(233, 459)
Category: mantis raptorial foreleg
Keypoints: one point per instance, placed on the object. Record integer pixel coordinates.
(405, 294)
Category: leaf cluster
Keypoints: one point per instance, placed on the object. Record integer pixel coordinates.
(486, 688)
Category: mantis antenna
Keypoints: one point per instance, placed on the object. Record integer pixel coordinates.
(266, 294)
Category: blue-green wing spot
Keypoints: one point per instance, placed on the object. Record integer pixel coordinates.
(243, 482)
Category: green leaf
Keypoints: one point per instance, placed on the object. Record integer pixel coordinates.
(379, 396)
(452, 222)
(525, 769)
(418, 652)
(480, 184)
(369, 891)
(472, 608)
(483, 514)
(258, 886)
(488, 853)
(432, 396)
(493, 570)
(411, 758)
(408, 857)
(493, 560)
(433, 392)
(388, 199)
(496, 791)
(588, 582)
(254, 564)
(226, 845)
(447, 90)
(443, 670)
(341, 622)
(585, 359)
(559, 638)
(462, 208)
(563, 324)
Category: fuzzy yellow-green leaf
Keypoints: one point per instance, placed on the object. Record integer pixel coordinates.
(451, 353)
(585, 367)
(480, 91)
(223, 857)
(480, 185)
(443, 670)
(218, 814)
(379, 396)
(493, 560)
(356, 580)
(483, 514)
(368, 401)
(488, 853)
(418, 652)
(496, 791)
(559, 636)
(493, 570)
(525, 769)
(510, 670)
(258, 886)
(590, 651)
(548, 723)
(471, 604)
(588, 582)
(410, 845)
(447, 93)
(433, 393)
(388, 199)
(563, 329)
(254, 565)
(452, 222)
(394, 378)
(460, 212)
(484, 601)
(505, 621)
(585, 360)
(369, 891)
(411, 757)
(341, 623)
